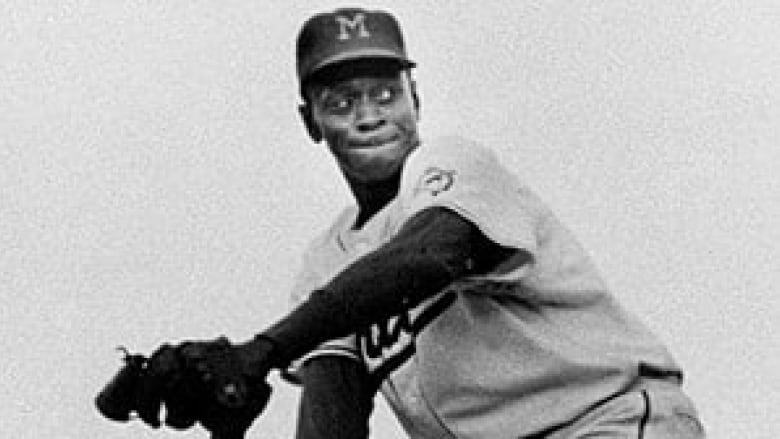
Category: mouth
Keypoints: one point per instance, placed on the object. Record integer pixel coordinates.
(373, 142)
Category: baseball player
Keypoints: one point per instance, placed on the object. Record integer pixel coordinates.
(449, 286)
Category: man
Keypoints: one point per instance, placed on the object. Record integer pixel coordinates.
(449, 286)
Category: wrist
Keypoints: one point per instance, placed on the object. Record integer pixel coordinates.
(258, 356)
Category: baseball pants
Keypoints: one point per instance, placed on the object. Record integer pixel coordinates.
(656, 409)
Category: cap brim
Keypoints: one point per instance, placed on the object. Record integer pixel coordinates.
(359, 54)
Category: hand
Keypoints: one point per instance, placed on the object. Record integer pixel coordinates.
(232, 388)
(218, 384)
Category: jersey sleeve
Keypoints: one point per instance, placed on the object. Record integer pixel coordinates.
(467, 178)
(307, 281)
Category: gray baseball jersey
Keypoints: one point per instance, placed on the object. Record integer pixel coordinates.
(517, 351)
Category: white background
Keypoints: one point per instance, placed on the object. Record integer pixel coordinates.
(156, 184)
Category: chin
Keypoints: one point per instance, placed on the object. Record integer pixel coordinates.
(377, 163)
(374, 173)
(374, 177)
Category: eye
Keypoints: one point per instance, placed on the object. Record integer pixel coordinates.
(337, 103)
(385, 94)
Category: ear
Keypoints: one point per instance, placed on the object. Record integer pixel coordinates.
(309, 122)
(415, 97)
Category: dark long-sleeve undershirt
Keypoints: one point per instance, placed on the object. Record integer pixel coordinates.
(336, 399)
(434, 248)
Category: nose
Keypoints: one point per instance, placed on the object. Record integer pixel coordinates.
(368, 115)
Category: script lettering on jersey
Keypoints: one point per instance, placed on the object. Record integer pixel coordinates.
(388, 344)
(347, 25)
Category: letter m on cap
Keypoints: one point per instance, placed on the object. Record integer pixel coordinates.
(356, 25)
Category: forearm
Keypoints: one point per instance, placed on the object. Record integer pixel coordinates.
(432, 250)
(336, 399)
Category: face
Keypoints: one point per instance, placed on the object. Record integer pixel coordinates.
(369, 122)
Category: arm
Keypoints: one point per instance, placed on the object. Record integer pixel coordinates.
(223, 385)
(336, 401)
(433, 249)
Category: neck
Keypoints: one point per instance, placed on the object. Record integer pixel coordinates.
(372, 197)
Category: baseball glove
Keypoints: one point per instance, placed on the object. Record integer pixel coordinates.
(232, 389)
(220, 385)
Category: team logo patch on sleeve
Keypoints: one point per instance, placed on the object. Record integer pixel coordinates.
(435, 181)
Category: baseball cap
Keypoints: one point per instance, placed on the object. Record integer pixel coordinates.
(348, 34)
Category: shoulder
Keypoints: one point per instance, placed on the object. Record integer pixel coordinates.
(455, 156)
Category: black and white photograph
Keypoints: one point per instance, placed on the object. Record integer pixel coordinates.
(389, 219)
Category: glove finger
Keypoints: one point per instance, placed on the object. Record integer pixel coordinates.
(216, 369)
(148, 400)
(179, 416)
(196, 351)
(151, 384)
(258, 400)
(181, 399)
(190, 391)
(117, 399)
